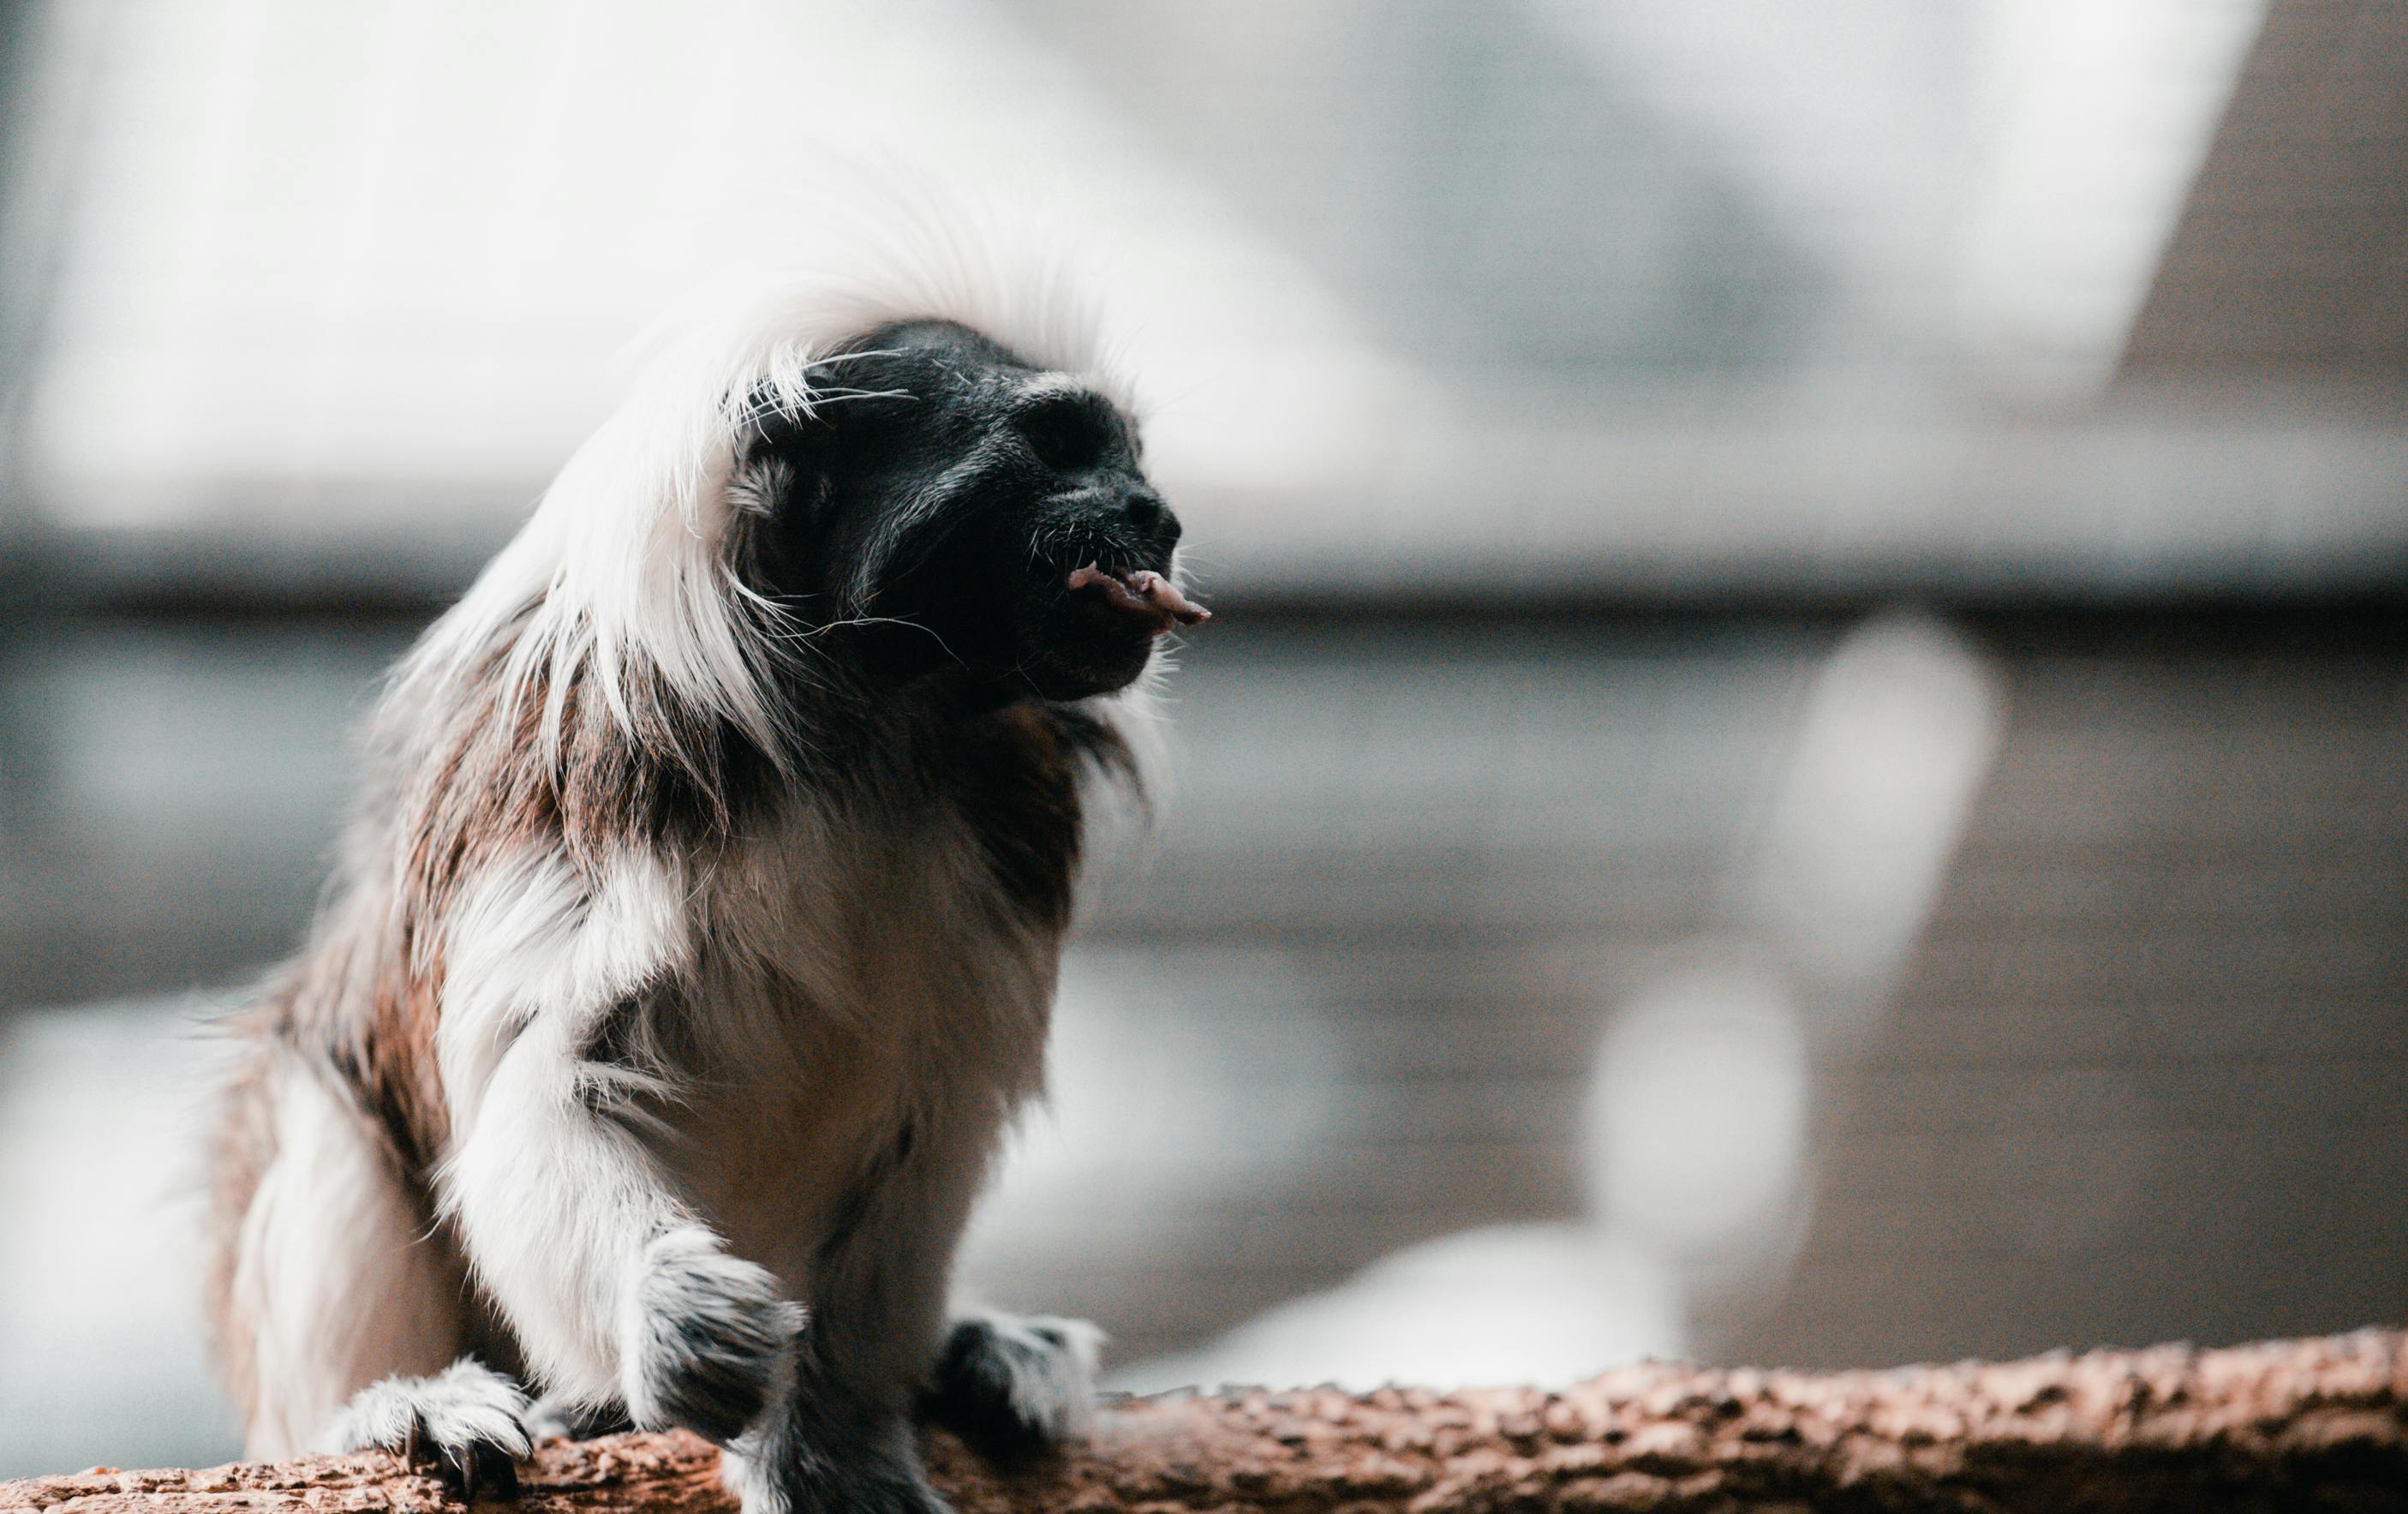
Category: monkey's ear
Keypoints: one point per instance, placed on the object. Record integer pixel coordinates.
(781, 456)
(766, 487)
(779, 494)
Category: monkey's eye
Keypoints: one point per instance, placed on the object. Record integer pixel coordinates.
(1063, 431)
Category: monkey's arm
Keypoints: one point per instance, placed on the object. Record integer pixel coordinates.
(613, 1286)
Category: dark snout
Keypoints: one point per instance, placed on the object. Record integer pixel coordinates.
(1128, 523)
(1103, 595)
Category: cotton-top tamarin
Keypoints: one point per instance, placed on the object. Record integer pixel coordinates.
(697, 941)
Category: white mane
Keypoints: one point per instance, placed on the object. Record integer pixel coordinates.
(624, 577)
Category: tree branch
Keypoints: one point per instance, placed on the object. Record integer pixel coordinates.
(2294, 1425)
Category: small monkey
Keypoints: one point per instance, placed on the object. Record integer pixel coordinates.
(697, 939)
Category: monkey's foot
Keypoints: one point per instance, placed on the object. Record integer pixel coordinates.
(469, 1419)
(1011, 1385)
(807, 1465)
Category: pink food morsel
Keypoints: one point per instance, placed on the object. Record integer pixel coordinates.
(1143, 593)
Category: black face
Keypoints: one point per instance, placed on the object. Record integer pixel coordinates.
(941, 495)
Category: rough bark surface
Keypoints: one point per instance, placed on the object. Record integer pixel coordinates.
(2310, 1424)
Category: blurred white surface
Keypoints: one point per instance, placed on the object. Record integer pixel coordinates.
(1563, 297)
(395, 241)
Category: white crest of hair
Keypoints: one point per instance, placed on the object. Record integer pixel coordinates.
(624, 575)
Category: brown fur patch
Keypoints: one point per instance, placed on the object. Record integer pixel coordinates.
(1016, 778)
(489, 788)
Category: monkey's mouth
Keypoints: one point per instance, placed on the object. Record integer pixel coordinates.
(1142, 596)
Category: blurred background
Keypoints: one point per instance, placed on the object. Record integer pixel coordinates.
(1804, 756)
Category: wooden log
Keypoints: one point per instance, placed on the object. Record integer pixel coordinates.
(2307, 1424)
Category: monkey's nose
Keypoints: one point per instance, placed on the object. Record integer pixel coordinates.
(1144, 510)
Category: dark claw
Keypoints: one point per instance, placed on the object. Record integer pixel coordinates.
(501, 1473)
(480, 1468)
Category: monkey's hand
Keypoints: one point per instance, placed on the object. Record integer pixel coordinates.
(706, 1339)
(1012, 1386)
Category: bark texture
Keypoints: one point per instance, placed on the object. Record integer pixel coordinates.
(2310, 1424)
